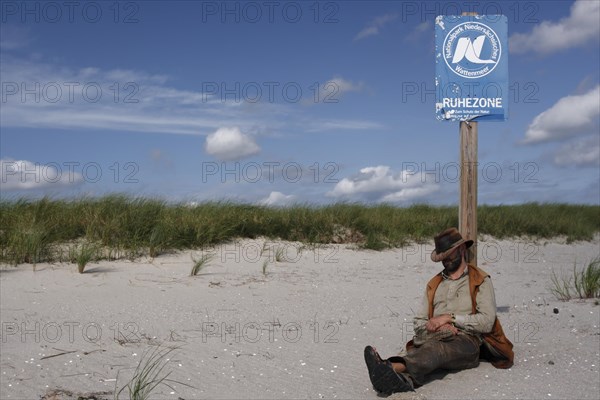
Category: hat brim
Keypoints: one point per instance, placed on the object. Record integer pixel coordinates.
(435, 257)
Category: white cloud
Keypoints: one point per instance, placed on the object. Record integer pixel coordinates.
(14, 37)
(345, 124)
(409, 194)
(25, 175)
(229, 144)
(60, 97)
(578, 28)
(374, 26)
(418, 31)
(91, 98)
(583, 152)
(567, 117)
(339, 86)
(278, 199)
(333, 89)
(381, 184)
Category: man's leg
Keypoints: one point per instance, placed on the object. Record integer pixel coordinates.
(455, 353)
(398, 367)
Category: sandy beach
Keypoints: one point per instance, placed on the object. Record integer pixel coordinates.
(251, 327)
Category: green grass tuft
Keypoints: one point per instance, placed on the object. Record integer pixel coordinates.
(200, 263)
(82, 255)
(149, 374)
(561, 287)
(585, 283)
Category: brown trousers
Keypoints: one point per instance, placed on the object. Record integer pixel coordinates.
(451, 353)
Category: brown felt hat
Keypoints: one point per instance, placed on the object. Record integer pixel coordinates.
(446, 242)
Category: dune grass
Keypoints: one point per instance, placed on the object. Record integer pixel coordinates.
(31, 230)
(585, 282)
(149, 374)
(200, 263)
(82, 255)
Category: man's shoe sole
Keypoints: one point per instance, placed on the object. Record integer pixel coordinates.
(387, 381)
(383, 377)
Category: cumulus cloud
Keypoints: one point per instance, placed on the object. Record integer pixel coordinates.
(278, 199)
(229, 144)
(381, 184)
(578, 28)
(408, 194)
(583, 152)
(374, 26)
(569, 116)
(26, 175)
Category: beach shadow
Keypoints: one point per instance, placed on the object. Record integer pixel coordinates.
(98, 270)
(209, 273)
(502, 309)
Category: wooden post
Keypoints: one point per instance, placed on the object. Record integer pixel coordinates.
(467, 217)
(467, 214)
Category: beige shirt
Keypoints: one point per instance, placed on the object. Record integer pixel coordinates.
(452, 296)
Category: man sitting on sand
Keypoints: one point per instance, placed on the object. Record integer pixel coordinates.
(456, 325)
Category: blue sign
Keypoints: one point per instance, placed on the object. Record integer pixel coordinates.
(471, 68)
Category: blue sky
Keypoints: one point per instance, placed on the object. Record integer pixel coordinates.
(287, 102)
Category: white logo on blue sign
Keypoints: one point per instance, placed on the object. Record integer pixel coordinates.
(472, 50)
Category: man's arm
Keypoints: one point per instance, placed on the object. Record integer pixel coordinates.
(483, 320)
(422, 316)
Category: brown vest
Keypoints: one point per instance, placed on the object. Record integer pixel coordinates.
(496, 337)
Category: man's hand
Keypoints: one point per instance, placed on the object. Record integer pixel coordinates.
(436, 322)
(449, 327)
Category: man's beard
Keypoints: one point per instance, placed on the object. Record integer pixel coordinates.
(452, 265)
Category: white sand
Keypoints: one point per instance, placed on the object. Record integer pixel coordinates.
(316, 312)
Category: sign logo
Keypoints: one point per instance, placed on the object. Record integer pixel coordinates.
(472, 50)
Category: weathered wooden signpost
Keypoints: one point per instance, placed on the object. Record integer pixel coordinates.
(471, 78)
